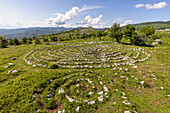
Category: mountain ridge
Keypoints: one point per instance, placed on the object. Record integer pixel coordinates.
(39, 31)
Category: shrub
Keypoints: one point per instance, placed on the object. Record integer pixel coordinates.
(53, 66)
(37, 41)
(153, 36)
(10, 42)
(3, 42)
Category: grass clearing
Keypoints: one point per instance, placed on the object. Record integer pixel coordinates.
(91, 77)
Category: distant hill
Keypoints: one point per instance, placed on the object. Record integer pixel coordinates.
(77, 33)
(38, 31)
(158, 25)
(30, 32)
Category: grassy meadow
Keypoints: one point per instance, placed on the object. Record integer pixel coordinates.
(90, 77)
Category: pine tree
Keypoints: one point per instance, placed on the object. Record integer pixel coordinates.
(115, 32)
(16, 42)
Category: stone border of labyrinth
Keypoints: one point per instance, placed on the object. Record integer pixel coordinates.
(86, 55)
(84, 91)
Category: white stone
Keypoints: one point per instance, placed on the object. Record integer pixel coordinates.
(90, 93)
(106, 89)
(142, 82)
(60, 91)
(78, 109)
(153, 75)
(6, 66)
(135, 66)
(101, 82)
(70, 99)
(124, 97)
(100, 93)
(100, 99)
(85, 101)
(91, 102)
(59, 111)
(10, 64)
(33, 65)
(126, 103)
(14, 71)
(39, 64)
(114, 103)
(127, 111)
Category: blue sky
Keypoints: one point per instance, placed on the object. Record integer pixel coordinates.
(80, 13)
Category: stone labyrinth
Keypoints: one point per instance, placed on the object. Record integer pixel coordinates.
(86, 90)
(90, 55)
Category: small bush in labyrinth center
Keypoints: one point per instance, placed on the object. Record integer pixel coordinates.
(53, 66)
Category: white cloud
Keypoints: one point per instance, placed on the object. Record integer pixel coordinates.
(94, 22)
(139, 5)
(159, 5)
(123, 22)
(85, 7)
(61, 19)
(58, 20)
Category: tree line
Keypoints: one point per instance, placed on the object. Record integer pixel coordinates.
(130, 33)
(115, 32)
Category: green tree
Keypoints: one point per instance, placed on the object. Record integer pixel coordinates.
(30, 38)
(16, 41)
(115, 32)
(10, 42)
(54, 38)
(29, 41)
(37, 41)
(147, 30)
(34, 37)
(3, 42)
(129, 33)
(24, 40)
(135, 38)
(98, 34)
(45, 40)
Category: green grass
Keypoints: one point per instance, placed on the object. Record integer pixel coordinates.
(17, 89)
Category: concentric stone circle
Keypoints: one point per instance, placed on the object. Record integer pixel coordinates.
(83, 89)
(85, 55)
